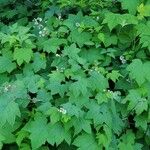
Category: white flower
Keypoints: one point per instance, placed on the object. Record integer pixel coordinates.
(123, 60)
(77, 24)
(45, 29)
(62, 110)
(57, 69)
(128, 80)
(121, 57)
(7, 88)
(39, 19)
(57, 55)
(97, 18)
(59, 17)
(110, 91)
(40, 32)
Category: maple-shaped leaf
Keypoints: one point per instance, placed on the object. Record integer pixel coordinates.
(81, 124)
(9, 109)
(101, 98)
(91, 55)
(128, 142)
(144, 33)
(39, 131)
(80, 38)
(141, 121)
(139, 71)
(21, 135)
(6, 64)
(144, 10)
(72, 52)
(55, 85)
(141, 106)
(80, 100)
(23, 54)
(53, 44)
(79, 87)
(97, 81)
(113, 20)
(57, 88)
(99, 113)
(74, 20)
(86, 141)
(39, 61)
(72, 110)
(57, 134)
(7, 133)
(105, 137)
(114, 75)
(131, 6)
(16, 90)
(136, 71)
(55, 115)
(56, 76)
(146, 69)
(136, 102)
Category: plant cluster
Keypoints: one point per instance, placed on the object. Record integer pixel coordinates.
(75, 74)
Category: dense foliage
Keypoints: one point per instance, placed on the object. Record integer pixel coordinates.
(75, 74)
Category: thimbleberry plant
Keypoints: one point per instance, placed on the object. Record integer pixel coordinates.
(75, 75)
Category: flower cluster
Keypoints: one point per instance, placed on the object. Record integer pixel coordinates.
(7, 88)
(62, 110)
(123, 60)
(38, 22)
(60, 69)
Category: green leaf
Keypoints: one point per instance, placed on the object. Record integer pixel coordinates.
(23, 54)
(141, 121)
(9, 110)
(57, 134)
(131, 6)
(136, 71)
(79, 87)
(141, 106)
(144, 11)
(73, 20)
(81, 124)
(104, 138)
(72, 110)
(39, 62)
(6, 134)
(39, 132)
(6, 64)
(114, 75)
(86, 141)
(80, 38)
(72, 52)
(136, 102)
(55, 115)
(128, 141)
(139, 71)
(99, 114)
(144, 33)
(113, 20)
(53, 44)
(97, 81)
